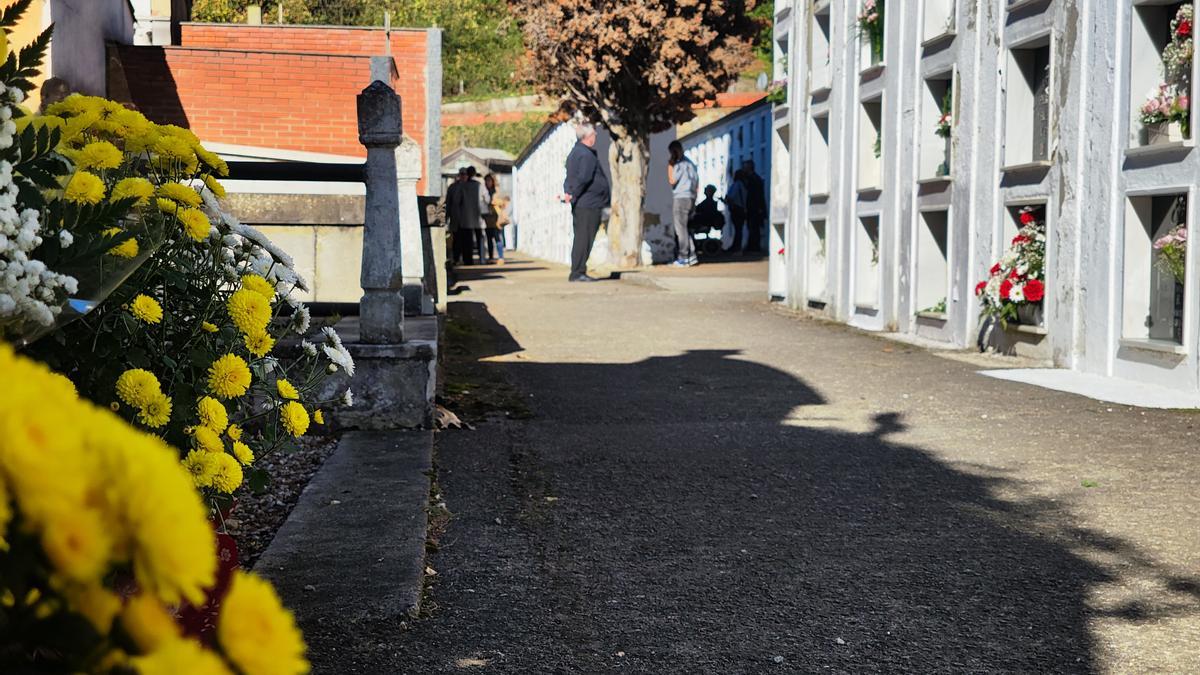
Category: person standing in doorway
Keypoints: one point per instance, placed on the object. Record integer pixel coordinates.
(685, 182)
(586, 189)
(756, 206)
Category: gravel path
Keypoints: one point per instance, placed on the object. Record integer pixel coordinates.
(707, 485)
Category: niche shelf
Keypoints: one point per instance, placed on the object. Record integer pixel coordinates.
(939, 21)
(821, 72)
(866, 263)
(1150, 35)
(818, 267)
(1027, 106)
(818, 158)
(870, 145)
(936, 150)
(932, 261)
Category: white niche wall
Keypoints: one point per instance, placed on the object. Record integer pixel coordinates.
(939, 20)
(821, 71)
(935, 151)
(818, 267)
(818, 156)
(866, 263)
(870, 137)
(1150, 33)
(933, 263)
(1153, 300)
(1027, 109)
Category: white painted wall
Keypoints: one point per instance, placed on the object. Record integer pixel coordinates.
(1101, 57)
(542, 224)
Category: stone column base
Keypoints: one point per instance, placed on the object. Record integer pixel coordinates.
(393, 385)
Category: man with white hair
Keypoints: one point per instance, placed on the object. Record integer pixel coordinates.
(586, 188)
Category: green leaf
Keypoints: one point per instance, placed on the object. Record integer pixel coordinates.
(258, 481)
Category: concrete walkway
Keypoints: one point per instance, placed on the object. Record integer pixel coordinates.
(708, 484)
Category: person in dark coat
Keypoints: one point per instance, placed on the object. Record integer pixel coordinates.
(461, 251)
(586, 189)
(474, 201)
(756, 205)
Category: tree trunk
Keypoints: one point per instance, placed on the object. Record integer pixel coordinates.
(627, 159)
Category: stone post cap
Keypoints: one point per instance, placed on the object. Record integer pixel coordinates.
(379, 123)
(408, 159)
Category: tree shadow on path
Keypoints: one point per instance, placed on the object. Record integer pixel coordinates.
(669, 515)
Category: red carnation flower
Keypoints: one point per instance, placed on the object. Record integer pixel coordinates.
(1020, 239)
(1005, 289)
(1035, 290)
(1184, 29)
(1026, 218)
(979, 288)
(1013, 275)
(995, 268)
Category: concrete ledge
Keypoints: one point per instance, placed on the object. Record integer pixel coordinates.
(353, 549)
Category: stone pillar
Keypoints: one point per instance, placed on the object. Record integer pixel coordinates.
(408, 172)
(381, 312)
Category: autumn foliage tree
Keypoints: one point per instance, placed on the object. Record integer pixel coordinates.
(641, 66)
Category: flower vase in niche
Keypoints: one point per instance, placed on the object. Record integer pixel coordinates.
(1031, 314)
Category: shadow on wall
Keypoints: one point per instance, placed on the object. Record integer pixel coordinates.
(841, 550)
(141, 76)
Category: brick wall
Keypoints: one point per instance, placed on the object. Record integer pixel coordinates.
(282, 87)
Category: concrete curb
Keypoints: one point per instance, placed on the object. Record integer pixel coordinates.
(643, 279)
(353, 549)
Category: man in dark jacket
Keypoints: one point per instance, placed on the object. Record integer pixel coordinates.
(586, 188)
(461, 251)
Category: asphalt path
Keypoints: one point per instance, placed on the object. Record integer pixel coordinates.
(697, 482)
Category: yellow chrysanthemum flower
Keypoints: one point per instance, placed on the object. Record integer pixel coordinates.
(250, 311)
(212, 160)
(295, 418)
(6, 504)
(253, 282)
(99, 155)
(146, 309)
(180, 656)
(95, 603)
(207, 440)
(157, 411)
(259, 343)
(126, 249)
(39, 121)
(174, 150)
(243, 453)
(212, 414)
(287, 390)
(84, 188)
(180, 193)
(195, 223)
(166, 206)
(77, 544)
(217, 189)
(319, 417)
(134, 187)
(208, 327)
(254, 630)
(228, 476)
(137, 386)
(147, 622)
(202, 464)
(234, 432)
(229, 376)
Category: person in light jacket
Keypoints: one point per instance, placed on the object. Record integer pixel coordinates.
(469, 205)
(685, 183)
(586, 189)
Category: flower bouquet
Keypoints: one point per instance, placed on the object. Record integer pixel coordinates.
(1171, 102)
(1016, 283)
(1172, 252)
(870, 24)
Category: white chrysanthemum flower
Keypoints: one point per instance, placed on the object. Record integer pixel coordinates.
(341, 357)
(331, 337)
(65, 238)
(1017, 294)
(348, 398)
(309, 348)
